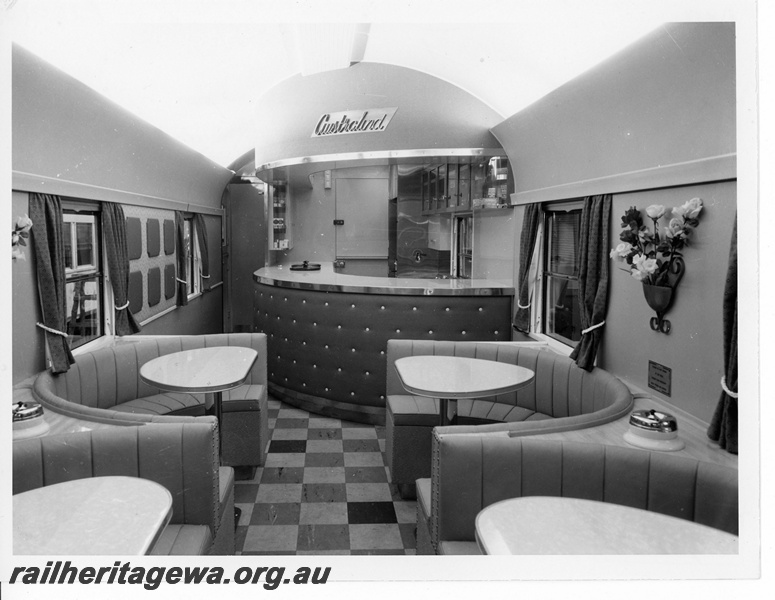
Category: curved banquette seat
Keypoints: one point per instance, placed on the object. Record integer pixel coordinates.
(105, 386)
(182, 457)
(561, 397)
(470, 472)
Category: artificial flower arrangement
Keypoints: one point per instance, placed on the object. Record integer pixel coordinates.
(651, 258)
(20, 232)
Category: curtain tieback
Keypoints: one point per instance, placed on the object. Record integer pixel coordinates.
(51, 329)
(523, 307)
(203, 276)
(588, 329)
(181, 280)
(727, 391)
(122, 307)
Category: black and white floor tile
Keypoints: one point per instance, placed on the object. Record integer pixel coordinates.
(323, 490)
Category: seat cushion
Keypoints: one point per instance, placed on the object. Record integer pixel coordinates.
(421, 411)
(164, 404)
(459, 548)
(424, 545)
(485, 411)
(424, 495)
(245, 392)
(413, 410)
(243, 398)
(183, 540)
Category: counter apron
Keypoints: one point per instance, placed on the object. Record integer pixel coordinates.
(327, 334)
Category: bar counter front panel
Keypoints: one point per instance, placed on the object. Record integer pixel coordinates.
(327, 332)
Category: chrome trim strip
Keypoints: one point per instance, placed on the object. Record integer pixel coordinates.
(397, 290)
(381, 154)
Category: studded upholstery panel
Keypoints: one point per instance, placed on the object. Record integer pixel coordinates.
(332, 346)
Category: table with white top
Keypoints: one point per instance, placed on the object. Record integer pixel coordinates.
(91, 516)
(201, 370)
(454, 377)
(555, 525)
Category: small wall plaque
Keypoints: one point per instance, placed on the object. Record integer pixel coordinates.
(660, 378)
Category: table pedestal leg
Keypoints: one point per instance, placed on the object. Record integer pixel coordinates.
(444, 410)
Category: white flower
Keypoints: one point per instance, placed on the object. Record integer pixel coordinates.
(642, 267)
(648, 266)
(23, 223)
(689, 209)
(674, 229)
(655, 211)
(621, 251)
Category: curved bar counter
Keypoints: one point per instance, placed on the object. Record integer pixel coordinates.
(327, 332)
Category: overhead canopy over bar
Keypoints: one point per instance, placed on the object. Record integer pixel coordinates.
(369, 112)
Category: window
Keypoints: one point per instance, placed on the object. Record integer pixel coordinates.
(193, 257)
(84, 285)
(559, 316)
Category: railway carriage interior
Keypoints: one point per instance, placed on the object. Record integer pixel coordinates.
(389, 289)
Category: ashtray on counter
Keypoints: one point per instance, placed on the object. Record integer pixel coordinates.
(305, 266)
(28, 420)
(653, 430)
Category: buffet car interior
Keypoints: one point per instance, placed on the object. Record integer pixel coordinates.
(394, 318)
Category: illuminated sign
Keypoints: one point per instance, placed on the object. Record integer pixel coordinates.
(372, 120)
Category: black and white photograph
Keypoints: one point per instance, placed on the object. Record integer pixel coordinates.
(341, 298)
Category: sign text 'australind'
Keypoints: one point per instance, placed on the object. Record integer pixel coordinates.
(372, 120)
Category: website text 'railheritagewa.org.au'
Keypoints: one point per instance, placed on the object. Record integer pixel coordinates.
(123, 573)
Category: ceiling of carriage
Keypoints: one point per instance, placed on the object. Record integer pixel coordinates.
(197, 69)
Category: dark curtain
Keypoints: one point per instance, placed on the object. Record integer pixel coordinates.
(180, 260)
(723, 425)
(527, 242)
(114, 234)
(46, 215)
(593, 277)
(201, 235)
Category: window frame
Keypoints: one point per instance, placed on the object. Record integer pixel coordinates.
(77, 211)
(540, 275)
(193, 274)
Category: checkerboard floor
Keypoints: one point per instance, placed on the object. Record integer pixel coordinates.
(323, 490)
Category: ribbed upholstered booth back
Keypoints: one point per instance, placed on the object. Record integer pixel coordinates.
(326, 351)
(560, 388)
(100, 380)
(471, 472)
(183, 457)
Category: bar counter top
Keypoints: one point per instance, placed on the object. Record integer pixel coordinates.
(327, 279)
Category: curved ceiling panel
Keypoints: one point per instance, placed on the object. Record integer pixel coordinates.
(392, 112)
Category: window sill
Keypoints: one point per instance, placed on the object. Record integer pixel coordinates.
(101, 342)
(553, 344)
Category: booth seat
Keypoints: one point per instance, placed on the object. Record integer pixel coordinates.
(105, 386)
(473, 471)
(561, 397)
(183, 457)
